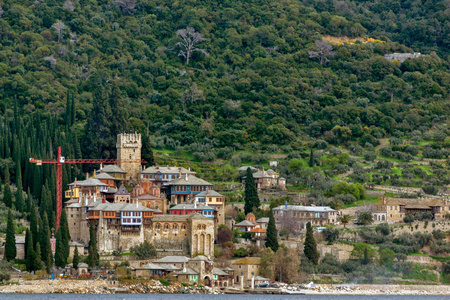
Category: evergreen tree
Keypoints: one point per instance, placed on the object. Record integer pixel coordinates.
(93, 256)
(19, 203)
(272, 235)
(118, 120)
(147, 151)
(310, 249)
(7, 175)
(28, 201)
(10, 243)
(72, 110)
(37, 255)
(7, 196)
(76, 258)
(46, 250)
(311, 158)
(98, 141)
(251, 194)
(68, 110)
(30, 255)
(65, 234)
(60, 259)
(34, 225)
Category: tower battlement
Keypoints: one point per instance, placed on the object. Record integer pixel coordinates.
(129, 147)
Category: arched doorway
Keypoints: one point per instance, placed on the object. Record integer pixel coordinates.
(207, 281)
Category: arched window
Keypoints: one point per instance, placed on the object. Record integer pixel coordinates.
(166, 226)
(183, 226)
(199, 227)
(203, 227)
(175, 226)
(157, 226)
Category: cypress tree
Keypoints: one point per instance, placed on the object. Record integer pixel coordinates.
(10, 244)
(68, 110)
(251, 194)
(76, 258)
(46, 249)
(72, 110)
(28, 201)
(30, 255)
(65, 234)
(147, 151)
(7, 196)
(7, 175)
(34, 225)
(93, 256)
(310, 249)
(60, 259)
(37, 257)
(311, 158)
(272, 235)
(19, 203)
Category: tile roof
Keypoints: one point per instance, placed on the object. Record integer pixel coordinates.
(89, 182)
(259, 174)
(263, 220)
(304, 208)
(146, 197)
(189, 180)
(244, 168)
(105, 176)
(192, 206)
(172, 259)
(245, 223)
(112, 169)
(248, 261)
(167, 170)
(118, 207)
(201, 258)
(186, 271)
(211, 193)
(178, 218)
(219, 272)
(122, 190)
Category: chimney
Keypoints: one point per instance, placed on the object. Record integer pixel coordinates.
(101, 166)
(263, 172)
(195, 203)
(95, 197)
(137, 204)
(75, 183)
(384, 200)
(104, 199)
(79, 197)
(207, 190)
(87, 175)
(94, 175)
(179, 172)
(186, 176)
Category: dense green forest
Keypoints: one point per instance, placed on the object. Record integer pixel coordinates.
(257, 75)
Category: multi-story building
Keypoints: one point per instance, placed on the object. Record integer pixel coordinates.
(395, 209)
(185, 188)
(245, 269)
(215, 200)
(114, 171)
(162, 175)
(267, 180)
(185, 209)
(129, 224)
(90, 188)
(296, 216)
(129, 154)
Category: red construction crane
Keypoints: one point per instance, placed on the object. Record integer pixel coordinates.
(62, 160)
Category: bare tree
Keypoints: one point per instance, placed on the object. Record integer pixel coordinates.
(190, 38)
(51, 60)
(128, 7)
(323, 51)
(289, 223)
(59, 27)
(192, 95)
(68, 5)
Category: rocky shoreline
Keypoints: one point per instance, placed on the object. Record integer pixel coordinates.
(100, 287)
(156, 287)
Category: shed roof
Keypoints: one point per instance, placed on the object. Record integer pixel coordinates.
(105, 176)
(167, 170)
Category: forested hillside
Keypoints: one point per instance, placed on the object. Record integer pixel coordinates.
(258, 72)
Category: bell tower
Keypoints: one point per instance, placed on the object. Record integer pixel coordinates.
(129, 148)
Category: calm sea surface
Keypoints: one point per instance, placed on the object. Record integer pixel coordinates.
(213, 297)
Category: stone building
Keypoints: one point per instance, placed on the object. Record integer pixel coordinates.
(245, 269)
(192, 233)
(295, 217)
(401, 57)
(129, 148)
(267, 180)
(148, 195)
(129, 224)
(395, 209)
(122, 195)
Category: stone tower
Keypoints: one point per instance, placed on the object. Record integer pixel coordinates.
(129, 147)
